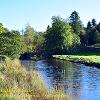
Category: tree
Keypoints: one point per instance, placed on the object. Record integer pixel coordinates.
(53, 36)
(11, 44)
(75, 22)
(89, 26)
(30, 38)
(1, 28)
(92, 31)
(98, 27)
(93, 22)
(40, 41)
(59, 36)
(97, 37)
(89, 33)
(83, 37)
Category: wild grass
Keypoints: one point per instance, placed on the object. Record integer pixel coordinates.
(16, 83)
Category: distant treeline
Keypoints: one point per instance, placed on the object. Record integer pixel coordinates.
(61, 35)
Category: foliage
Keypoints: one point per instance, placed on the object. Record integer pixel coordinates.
(10, 43)
(97, 37)
(83, 37)
(93, 33)
(39, 46)
(32, 39)
(1, 28)
(62, 35)
(59, 36)
(75, 22)
(29, 38)
(94, 22)
(98, 27)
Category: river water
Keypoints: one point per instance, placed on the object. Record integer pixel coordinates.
(80, 81)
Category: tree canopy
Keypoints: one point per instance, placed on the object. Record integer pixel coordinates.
(59, 36)
(62, 35)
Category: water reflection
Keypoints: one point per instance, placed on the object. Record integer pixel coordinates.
(81, 82)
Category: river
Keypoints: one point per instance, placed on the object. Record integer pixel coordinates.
(80, 81)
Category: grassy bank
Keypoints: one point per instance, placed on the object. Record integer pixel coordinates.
(88, 58)
(16, 83)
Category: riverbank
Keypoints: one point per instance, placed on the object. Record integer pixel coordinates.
(18, 83)
(91, 59)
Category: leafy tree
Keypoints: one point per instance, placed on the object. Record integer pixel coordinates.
(40, 42)
(83, 37)
(30, 38)
(76, 42)
(75, 22)
(1, 28)
(59, 36)
(11, 44)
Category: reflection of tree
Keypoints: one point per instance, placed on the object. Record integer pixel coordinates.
(60, 72)
(65, 76)
(76, 82)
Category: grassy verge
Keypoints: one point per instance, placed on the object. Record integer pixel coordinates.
(16, 83)
(88, 58)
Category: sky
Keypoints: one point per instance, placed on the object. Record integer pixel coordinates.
(15, 14)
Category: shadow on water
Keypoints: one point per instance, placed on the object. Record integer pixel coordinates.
(80, 81)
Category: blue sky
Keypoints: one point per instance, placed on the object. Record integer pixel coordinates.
(15, 14)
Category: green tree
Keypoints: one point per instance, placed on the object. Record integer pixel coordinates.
(83, 37)
(75, 22)
(97, 37)
(11, 44)
(30, 38)
(89, 26)
(89, 34)
(40, 41)
(59, 36)
(94, 22)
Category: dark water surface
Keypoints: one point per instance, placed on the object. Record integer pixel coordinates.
(80, 81)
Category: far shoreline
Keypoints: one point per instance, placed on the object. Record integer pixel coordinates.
(86, 60)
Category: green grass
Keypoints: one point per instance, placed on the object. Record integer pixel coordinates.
(88, 57)
(95, 46)
(87, 54)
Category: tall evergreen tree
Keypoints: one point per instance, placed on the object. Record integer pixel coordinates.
(97, 37)
(94, 22)
(75, 22)
(91, 30)
(89, 26)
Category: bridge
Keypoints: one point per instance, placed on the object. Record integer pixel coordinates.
(29, 55)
